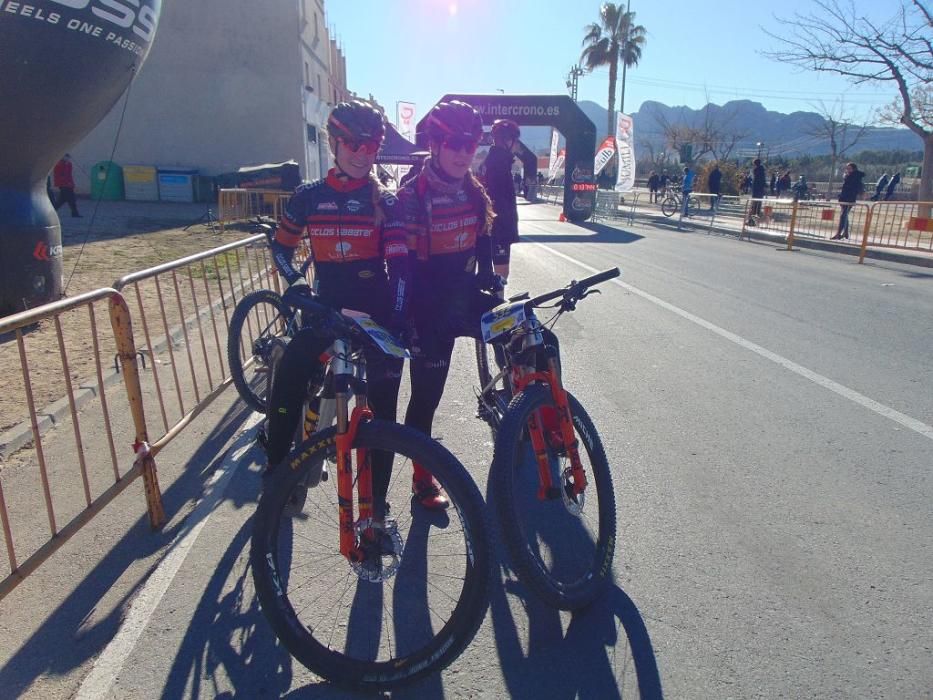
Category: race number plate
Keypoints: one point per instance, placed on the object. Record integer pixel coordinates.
(502, 320)
(379, 335)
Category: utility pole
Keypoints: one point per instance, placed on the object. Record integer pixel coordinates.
(572, 79)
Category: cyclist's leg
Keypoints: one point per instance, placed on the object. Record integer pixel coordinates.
(385, 375)
(298, 366)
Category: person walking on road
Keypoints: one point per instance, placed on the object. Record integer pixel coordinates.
(851, 188)
(63, 179)
(686, 188)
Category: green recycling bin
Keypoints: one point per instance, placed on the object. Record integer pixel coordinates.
(107, 181)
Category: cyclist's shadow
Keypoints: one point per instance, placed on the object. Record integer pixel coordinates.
(605, 652)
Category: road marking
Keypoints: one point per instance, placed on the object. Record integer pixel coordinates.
(825, 382)
(109, 664)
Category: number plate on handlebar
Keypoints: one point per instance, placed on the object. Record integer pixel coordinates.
(502, 319)
(379, 335)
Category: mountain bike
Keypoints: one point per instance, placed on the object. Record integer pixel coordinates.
(555, 501)
(673, 202)
(260, 327)
(368, 602)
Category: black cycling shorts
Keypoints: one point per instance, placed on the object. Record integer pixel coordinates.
(501, 252)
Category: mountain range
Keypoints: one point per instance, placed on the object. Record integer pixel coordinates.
(788, 135)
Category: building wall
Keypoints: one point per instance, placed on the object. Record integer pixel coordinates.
(224, 86)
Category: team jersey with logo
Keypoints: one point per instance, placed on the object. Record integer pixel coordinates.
(360, 251)
(443, 230)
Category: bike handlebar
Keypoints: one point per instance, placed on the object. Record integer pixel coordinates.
(575, 290)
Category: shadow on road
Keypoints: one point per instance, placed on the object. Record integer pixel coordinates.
(45, 653)
(577, 233)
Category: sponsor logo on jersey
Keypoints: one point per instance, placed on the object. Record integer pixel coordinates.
(343, 247)
(327, 206)
(393, 249)
(366, 274)
(353, 205)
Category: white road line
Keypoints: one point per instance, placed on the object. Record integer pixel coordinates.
(107, 667)
(825, 382)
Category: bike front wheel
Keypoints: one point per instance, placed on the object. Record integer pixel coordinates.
(385, 622)
(670, 206)
(256, 341)
(561, 545)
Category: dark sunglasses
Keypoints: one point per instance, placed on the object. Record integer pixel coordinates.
(367, 146)
(461, 143)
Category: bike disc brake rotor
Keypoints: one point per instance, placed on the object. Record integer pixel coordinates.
(573, 503)
(383, 552)
(269, 350)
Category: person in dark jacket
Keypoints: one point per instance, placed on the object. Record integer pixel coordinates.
(879, 187)
(499, 187)
(759, 183)
(714, 184)
(889, 193)
(851, 188)
(653, 183)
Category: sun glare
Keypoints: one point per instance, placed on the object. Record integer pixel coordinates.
(452, 9)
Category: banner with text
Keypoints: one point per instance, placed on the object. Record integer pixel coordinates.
(625, 140)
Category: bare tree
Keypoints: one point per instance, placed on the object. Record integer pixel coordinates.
(841, 133)
(708, 134)
(837, 39)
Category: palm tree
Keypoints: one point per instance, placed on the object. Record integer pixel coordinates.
(615, 38)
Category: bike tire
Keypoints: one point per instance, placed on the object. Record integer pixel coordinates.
(695, 204)
(257, 314)
(534, 529)
(669, 206)
(445, 562)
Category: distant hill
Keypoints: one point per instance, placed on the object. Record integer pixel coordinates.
(781, 134)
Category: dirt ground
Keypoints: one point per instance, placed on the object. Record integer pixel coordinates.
(112, 239)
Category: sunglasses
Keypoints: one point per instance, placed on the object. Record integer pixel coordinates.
(367, 146)
(461, 143)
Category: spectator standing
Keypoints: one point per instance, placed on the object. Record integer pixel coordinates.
(851, 188)
(686, 187)
(714, 184)
(800, 188)
(63, 179)
(783, 183)
(662, 182)
(759, 183)
(653, 182)
(773, 186)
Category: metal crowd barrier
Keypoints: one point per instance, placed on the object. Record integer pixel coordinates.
(907, 225)
(182, 310)
(615, 205)
(242, 204)
(41, 476)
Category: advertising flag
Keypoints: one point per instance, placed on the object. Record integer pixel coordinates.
(405, 116)
(625, 139)
(552, 162)
(604, 154)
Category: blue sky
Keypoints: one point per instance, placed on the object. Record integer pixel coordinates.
(418, 50)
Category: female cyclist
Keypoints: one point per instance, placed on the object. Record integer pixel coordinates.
(447, 216)
(358, 264)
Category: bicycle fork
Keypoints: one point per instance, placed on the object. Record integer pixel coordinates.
(544, 428)
(347, 425)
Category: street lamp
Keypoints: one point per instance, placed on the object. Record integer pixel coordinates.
(759, 144)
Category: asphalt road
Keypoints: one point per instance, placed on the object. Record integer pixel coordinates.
(768, 419)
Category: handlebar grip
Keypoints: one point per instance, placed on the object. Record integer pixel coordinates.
(599, 277)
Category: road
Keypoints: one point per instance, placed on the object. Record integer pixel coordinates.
(767, 415)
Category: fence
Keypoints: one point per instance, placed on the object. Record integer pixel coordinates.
(615, 205)
(182, 309)
(243, 204)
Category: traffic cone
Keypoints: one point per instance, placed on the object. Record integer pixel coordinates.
(562, 218)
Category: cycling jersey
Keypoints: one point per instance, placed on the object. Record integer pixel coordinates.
(359, 261)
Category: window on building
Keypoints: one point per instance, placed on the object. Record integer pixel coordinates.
(315, 26)
(320, 92)
(307, 75)
(312, 134)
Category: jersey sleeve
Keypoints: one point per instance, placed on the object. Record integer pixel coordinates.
(289, 233)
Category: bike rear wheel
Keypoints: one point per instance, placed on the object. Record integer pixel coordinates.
(255, 342)
(407, 613)
(561, 547)
(670, 206)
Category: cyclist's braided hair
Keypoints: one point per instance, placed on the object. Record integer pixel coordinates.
(480, 199)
